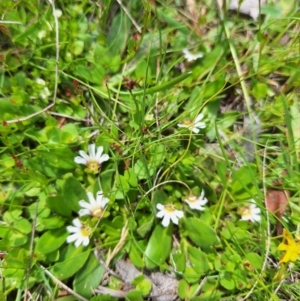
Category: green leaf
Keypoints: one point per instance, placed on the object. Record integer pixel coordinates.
(56, 204)
(135, 253)
(118, 33)
(200, 233)
(71, 260)
(88, 277)
(199, 260)
(159, 246)
(77, 47)
(227, 281)
(52, 222)
(73, 192)
(255, 260)
(135, 296)
(185, 290)
(51, 241)
(243, 182)
(23, 225)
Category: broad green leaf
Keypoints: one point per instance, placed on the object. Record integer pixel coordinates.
(135, 253)
(243, 182)
(159, 246)
(88, 277)
(57, 204)
(135, 295)
(118, 33)
(71, 260)
(200, 233)
(178, 260)
(199, 260)
(73, 192)
(255, 260)
(52, 222)
(227, 281)
(130, 176)
(77, 47)
(51, 241)
(23, 225)
(185, 290)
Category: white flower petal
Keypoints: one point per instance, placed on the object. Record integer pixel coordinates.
(80, 160)
(77, 223)
(92, 149)
(195, 130)
(200, 125)
(83, 212)
(103, 158)
(179, 213)
(160, 214)
(84, 155)
(85, 241)
(91, 199)
(199, 117)
(72, 238)
(99, 152)
(160, 206)
(180, 125)
(78, 242)
(166, 220)
(72, 229)
(84, 204)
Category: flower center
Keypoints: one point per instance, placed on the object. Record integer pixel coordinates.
(97, 212)
(245, 211)
(192, 198)
(93, 165)
(169, 208)
(85, 231)
(188, 123)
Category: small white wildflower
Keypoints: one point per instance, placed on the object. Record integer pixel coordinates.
(250, 212)
(58, 13)
(196, 202)
(194, 126)
(95, 207)
(45, 93)
(40, 81)
(168, 212)
(92, 160)
(191, 56)
(41, 34)
(79, 233)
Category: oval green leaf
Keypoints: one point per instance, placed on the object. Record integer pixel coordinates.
(159, 246)
(51, 241)
(200, 233)
(71, 260)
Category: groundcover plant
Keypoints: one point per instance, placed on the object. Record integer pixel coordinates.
(149, 150)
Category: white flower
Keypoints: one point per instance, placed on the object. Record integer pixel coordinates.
(80, 233)
(58, 13)
(92, 160)
(45, 93)
(196, 202)
(194, 126)
(168, 212)
(95, 207)
(250, 212)
(41, 34)
(40, 81)
(191, 56)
